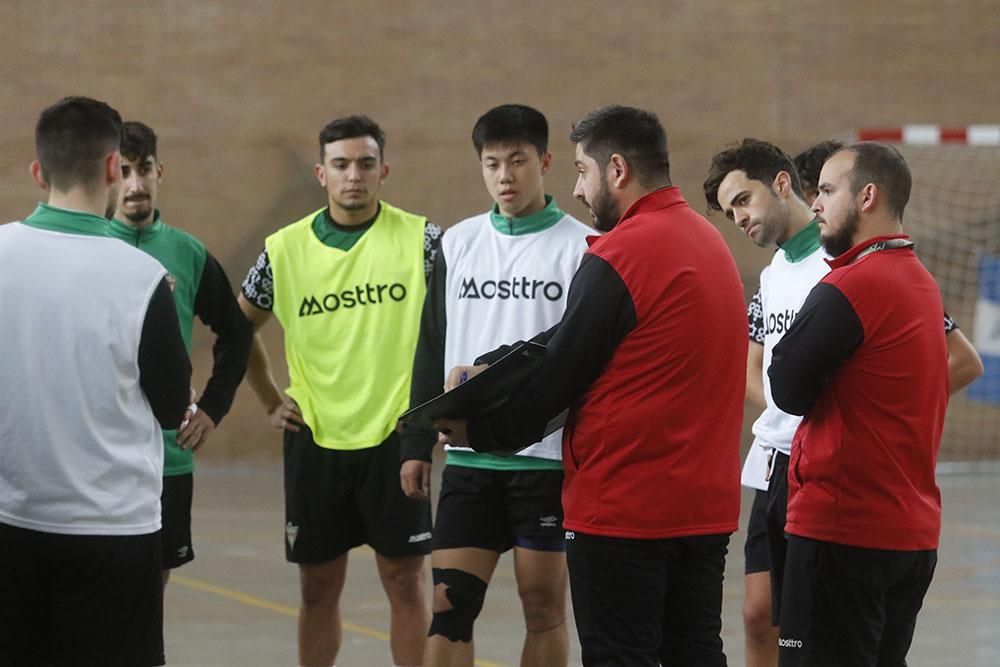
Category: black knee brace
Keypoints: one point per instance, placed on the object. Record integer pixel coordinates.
(465, 592)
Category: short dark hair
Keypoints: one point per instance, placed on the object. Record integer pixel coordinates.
(760, 160)
(884, 166)
(510, 124)
(138, 141)
(72, 137)
(634, 134)
(810, 162)
(351, 127)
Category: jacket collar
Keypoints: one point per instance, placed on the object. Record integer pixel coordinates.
(122, 230)
(853, 253)
(654, 201)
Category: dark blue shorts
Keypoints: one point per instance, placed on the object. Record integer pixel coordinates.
(499, 509)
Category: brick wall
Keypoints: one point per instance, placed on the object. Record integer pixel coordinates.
(239, 90)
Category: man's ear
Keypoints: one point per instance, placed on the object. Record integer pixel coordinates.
(113, 168)
(35, 169)
(546, 161)
(618, 171)
(782, 184)
(320, 174)
(383, 173)
(869, 197)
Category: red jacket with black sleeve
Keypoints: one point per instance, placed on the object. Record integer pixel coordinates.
(650, 357)
(866, 363)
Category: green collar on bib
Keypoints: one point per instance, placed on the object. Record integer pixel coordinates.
(804, 243)
(67, 221)
(529, 224)
(335, 235)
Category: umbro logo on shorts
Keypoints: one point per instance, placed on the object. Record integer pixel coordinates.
(420, 537)
(548, 521)
(789, 643)
(291, 532)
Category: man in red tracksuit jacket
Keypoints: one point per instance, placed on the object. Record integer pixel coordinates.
(866, 363)
(650, 357)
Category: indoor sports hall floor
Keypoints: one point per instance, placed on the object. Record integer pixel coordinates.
(235, 605)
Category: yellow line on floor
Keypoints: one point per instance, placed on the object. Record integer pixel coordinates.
(284, 609)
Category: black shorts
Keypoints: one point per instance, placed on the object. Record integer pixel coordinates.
(755, 550)
(336, 500)
(777, 542)
(175, 507)
(850, 606)
(499, 509)
(80, 600)
(648, 602)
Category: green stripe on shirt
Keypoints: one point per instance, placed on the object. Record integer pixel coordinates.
(492, 462)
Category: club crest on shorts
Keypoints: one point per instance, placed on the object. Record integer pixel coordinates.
(291, 532)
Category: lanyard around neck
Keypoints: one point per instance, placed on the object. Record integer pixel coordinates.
(891, 244)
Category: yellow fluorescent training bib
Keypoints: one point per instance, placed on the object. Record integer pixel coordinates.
(350, 320)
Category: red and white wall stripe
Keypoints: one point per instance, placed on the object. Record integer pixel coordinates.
(933, 135)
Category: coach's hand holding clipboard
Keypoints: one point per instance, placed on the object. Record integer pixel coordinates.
(481, 389)
(461, 374)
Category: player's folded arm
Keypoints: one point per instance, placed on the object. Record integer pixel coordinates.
(826, 331)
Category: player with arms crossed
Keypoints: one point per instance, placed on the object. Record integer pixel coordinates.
(757, 187)
(865, 362)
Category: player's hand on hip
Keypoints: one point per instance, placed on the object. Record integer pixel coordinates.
(195, 429)
(415, 479)
(460, 374)
(452, 431)
(286, 416)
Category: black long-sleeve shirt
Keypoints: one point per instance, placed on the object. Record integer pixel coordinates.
(216, 308)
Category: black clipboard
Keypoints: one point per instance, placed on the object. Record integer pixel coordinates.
(483, 392)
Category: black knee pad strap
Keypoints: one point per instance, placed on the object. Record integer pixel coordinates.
(466, 593)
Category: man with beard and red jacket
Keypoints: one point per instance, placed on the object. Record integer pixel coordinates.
(865, 362)
(650, 359)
